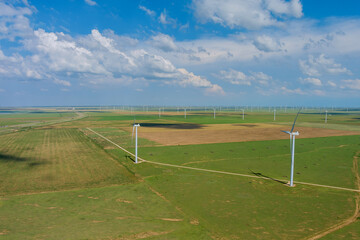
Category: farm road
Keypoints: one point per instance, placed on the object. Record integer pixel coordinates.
(221, 172)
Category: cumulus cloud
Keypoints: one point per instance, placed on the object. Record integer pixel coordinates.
(97, 59)
(163, 42)
(249, 14)
(90, 2)
(14, 22)
(148, 11)
(239, 78)
(292, 91)
(352, 84)
(62, 82)
(267, 44)
(312, 81)
(189, 78)
(317, 66)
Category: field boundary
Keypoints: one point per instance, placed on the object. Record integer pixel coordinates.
(222, 172)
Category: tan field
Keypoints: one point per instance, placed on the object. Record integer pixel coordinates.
(220, 133)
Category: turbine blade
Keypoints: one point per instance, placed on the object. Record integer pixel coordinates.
(132, 135)
(286, 132)
(295, 120)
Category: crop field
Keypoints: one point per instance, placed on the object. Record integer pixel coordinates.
(202, 178)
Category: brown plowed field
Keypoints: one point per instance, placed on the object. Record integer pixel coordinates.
(220, 133)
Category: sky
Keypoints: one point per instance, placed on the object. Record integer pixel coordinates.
(180, 53)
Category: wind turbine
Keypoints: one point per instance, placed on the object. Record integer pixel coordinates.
(214, 113)
(274, 114)
(185, 112)
(135, 126)
(243, 113)
(292, 135)
(326, 116)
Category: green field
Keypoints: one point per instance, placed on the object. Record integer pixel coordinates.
(62, 181)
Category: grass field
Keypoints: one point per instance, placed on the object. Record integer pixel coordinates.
(64, 182)
(54, 159)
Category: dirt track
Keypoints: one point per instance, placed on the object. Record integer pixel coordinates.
(219, 133)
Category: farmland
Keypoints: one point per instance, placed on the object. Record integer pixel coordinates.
(62, 181)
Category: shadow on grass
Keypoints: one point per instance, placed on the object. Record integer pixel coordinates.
(267, 177)
(245, 125)
(174, 126)
(130, 158)
(31, 162)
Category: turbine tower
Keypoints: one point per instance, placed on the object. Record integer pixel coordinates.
(274, 114)
(135, 126)
(326, 116)
(292, 135)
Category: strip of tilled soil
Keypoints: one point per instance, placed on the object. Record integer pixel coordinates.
(235, 134)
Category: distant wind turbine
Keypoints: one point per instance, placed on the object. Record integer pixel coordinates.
(292, 148)
(274, 114)
(135, 126)
(326, 116)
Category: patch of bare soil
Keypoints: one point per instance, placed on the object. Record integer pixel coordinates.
(144, 235)
(172, 219)
(220, 133)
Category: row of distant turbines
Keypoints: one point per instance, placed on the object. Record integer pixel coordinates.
(291, 133)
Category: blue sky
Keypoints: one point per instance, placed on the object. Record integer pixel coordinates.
(194, 52)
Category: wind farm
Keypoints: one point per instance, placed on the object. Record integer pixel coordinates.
(210, 168)
(187, 119)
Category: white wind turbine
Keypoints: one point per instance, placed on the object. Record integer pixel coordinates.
(135, 126)
(274, 114)
(326, 116)
(292, 135)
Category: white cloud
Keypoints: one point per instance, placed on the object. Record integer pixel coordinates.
(165, 19)
(240, 78)
(148, 11)
(61, 53)
(248, 14)
(90, 2)
(318, 92)
(267, 44)
(317, 66)
(235, 77)
(62, 82)
(292, 91)
(163, 42)
(281, 7)
(352, 84)
(189, 78)
(332, 84)
(14, 22)
(2, 90)
(312, 81)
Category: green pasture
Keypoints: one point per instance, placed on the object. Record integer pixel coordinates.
(247, 208)
(65, 182)
(54, 159)
(116, 212)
